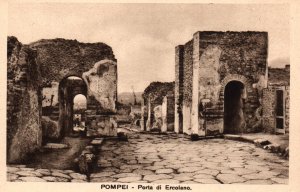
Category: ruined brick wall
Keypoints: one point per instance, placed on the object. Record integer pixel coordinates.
(211, 60)
(228, 56)
(59, 58)
(24, 134)
(153, 96)
(278, 79)
(94, 63)
(268, 106)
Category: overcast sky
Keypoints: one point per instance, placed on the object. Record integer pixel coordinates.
(144, 36)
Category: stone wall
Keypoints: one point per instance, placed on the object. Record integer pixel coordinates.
(94, 63)
(178, 91)
(24, 134)
(153, 98)
(211, 61)
(278, 79)
(187, 86)
(60, 58)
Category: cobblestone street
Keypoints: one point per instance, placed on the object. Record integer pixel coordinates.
(149, 158)
(168, 159)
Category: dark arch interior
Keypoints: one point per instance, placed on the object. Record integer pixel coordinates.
(233, 107)
(69, 87)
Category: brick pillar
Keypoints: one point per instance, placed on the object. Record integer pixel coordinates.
(179, 51)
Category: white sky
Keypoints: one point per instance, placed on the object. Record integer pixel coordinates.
(144, 36)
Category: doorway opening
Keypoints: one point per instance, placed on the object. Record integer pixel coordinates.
(79, 108)
(233, 108)
(69, 87)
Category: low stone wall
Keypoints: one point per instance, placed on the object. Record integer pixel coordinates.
(101, 125)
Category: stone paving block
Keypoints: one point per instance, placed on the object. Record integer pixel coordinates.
(153, 167)
(280, 180)
(61, 179)
(102, 174)
(182, 177)
(143, 172)
(29, 173)
(203, 176)
(207, 181)
(208, 171)
(44, 171)
(159, 171)
(257, 167)
(32, 179)
(78, 176)
(189, 169)
(230, 178)
(50, 178)
(59, 174)
(243, 171)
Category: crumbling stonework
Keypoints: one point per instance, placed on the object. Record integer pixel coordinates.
(205, 67)
(24, 134)
(155, 113)
(93, 63)
(279, 80)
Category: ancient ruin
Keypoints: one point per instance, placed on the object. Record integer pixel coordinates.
(43, 79)
(158, 107)
(276, 101)
(219, 81)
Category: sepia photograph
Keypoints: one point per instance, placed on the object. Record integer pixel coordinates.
(156, 93)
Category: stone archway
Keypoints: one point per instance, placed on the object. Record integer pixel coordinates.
(234, 120)
(68, 88)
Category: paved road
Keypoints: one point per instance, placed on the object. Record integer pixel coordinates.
(150, 158)
(147, 158)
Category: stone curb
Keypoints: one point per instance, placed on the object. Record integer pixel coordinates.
(262, 143)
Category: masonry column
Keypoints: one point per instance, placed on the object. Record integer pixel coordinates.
(179, 51)
(195, 94)
(164, 114)
(148, 124)
(142, 122)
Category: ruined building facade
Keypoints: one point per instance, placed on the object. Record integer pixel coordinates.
(276, 101)
(43, 79)
(158, 107)
(219, 82)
